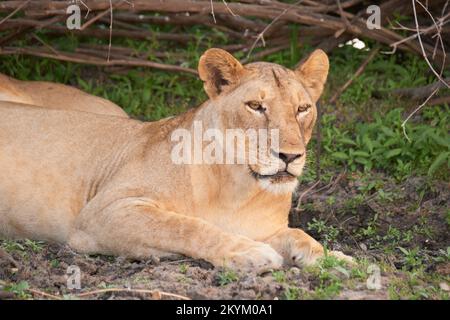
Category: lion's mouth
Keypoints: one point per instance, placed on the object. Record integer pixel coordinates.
(280, 176)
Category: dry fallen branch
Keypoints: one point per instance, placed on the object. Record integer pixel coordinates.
(419, 92)
(154, 294)
(306, 14)
(249, 23)
(85, 59)
(6, 256)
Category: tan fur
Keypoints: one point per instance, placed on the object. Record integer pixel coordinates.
(55, 96)
(105, 185)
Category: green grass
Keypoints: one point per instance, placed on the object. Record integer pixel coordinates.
(328, 232)
(361, 134)
(20, 289)
(22, 246)
(279, 276)
(226, 277)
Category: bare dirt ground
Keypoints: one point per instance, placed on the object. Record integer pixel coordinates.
(403, 230)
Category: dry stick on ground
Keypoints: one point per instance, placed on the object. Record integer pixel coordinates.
(7, 256)
(300, 14)
(20, 7)
(355, 75)
(94, 19)
(44, 294)
(439, 100)
(299, 203)
(155, 294)
(22, 29)
(415, 111)
(110, 29)
(83, 59)
(419, 92)
(141, 35)
(6, 295)
(35, 36)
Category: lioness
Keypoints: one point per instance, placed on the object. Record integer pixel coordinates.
(55, 96)
(109, 186)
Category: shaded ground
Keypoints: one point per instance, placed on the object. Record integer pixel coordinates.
(402, 229)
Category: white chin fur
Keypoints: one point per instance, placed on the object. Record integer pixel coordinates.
(278, 188)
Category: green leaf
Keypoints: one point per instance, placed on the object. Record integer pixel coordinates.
(339, 155)
(368, 143)
(405, 252)
(387, 131)
(390, 142)
(440, 159)
(439, 140)
(347, 141)
(361, 154)
(393, 153)
(362, 161)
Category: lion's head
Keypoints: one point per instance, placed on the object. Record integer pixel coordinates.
(268, 96)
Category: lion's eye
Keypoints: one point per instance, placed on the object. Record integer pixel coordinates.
(303, 108)
(255, 106)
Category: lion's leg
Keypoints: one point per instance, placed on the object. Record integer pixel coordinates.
(299, 248)
(137, 230)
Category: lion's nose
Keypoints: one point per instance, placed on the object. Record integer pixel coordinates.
(287, 157)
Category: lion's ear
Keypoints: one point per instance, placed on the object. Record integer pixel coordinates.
(314, 72)
(218, 69)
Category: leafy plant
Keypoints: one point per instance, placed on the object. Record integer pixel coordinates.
(227, 276)
(292, 293)
(19, 289)
(279, 276)
(411, 258)
(327, 232)
(382, 144)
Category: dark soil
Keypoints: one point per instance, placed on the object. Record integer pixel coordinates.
(360, 223)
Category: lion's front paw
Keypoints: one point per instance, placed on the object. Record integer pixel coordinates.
(309, 254)
(259, 258)
(342, 256)
(306, 253)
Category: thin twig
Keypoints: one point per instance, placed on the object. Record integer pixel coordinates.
(414, 112)
(100, 15)
(299, 203)
(88, 9)
(7, 256)
(260, 36)
(423, 49)
(110, 29)
(15, 11)
(154, 293)
(212, 12)
(44, 294)
(95, 61)
(229, 9)
(35, 36)
(438, 34)
(441, 22)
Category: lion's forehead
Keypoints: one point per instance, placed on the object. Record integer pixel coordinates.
(277, 82)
